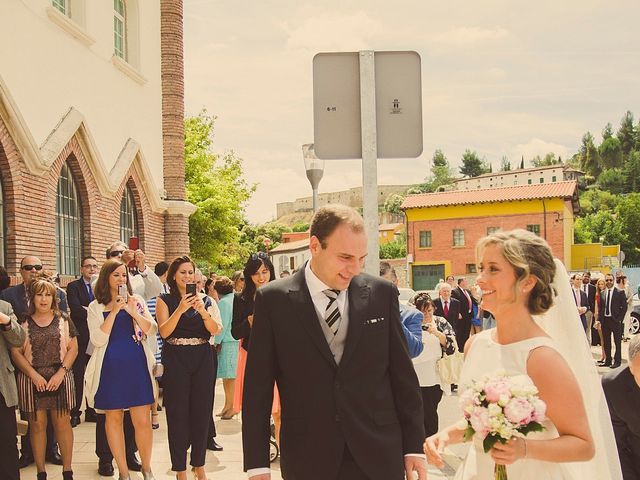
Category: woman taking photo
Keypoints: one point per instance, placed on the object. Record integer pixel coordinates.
(438, 338)
(119, 375)
(601, 288)
(258, 271)
(187, 320)
(45, 381)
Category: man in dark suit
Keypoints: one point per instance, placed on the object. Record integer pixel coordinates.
(622, 390)
(18, 296)
(331, 338)
(581, 299)
(449, 308)
(463, 295)
(611, 318)
(80, 295)
(590, 291)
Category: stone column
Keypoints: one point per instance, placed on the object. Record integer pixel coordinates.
(176, 230)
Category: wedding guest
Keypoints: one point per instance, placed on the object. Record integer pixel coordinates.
(187, 321)
(600, 295)
(45, 379)
(212, 433)
(119, 374)
(439, 339)
(238, 281)
(11, 335)
(622, 389)
(5, 280)
(228, 346)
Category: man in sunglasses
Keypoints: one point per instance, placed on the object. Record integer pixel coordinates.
(611, 318)
(18, 297)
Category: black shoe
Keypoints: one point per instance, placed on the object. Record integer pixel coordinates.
(67, 475)
(41, 476)
(133, 463)
(105, 469)
(25, 460)
(75, 420)
(213, 445)
(54, 456)
(604, 364)
(90, 416)
(614, 365)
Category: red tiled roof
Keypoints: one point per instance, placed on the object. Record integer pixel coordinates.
(291, 246)
(491, 195)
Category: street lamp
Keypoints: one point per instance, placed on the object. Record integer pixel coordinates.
(315, 169)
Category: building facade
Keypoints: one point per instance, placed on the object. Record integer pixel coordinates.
(443, 228)
(91, 130)
(523, 176)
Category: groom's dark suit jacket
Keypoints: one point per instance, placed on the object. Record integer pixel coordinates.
(618, 305)
(623, 398)
(371, 402)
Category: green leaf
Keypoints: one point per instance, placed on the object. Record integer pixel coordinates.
(468, 433)
(490, 440)
(531, 427)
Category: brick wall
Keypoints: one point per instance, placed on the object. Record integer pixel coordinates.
(474, 229)
(30, 208)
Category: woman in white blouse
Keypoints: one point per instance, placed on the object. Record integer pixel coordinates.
(438, 338)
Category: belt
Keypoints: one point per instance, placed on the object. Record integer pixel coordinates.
(186, 341)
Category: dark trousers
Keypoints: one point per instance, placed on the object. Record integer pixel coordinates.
(431, 397)
(611, 326)
(102, 446)
(188, 381)
(462, 329)
(79, 367)
(8, 443)
(212, 424)
(349, 469)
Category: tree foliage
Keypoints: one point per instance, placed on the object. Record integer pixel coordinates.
(216, 186)
(548, 160)
(505, 164)
(472, 164)
(393, 202)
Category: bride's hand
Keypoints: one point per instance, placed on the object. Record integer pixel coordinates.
(508, 453)
(434, 447)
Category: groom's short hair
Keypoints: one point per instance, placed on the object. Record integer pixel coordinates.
(634, 347)
(330, 217)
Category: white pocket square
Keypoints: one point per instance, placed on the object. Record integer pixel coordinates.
(371, 321)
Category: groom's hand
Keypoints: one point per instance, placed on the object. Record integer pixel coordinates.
(415, 464)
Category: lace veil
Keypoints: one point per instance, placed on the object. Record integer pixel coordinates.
(562, 324)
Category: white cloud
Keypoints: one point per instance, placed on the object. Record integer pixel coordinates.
(536, 146)
(469, 35)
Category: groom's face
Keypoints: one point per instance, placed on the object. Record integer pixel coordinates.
(341, 259)
(634, 366)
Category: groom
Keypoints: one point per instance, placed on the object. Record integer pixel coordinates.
(331, 339)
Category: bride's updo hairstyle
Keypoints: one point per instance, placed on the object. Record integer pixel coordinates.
(528, 254)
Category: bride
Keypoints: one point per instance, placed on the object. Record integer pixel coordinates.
(538, 333)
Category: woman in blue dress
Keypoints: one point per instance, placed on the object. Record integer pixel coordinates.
(119, 374)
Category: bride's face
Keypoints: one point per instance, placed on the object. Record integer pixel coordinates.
(497, 280)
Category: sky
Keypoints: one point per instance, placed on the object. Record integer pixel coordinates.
(501, 77)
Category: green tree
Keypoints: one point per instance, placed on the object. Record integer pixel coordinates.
(472, 164)
(589, 156)
(610, 151)
(632, 172)
(547, 160)
(505, 164)
(253, 236)
(628, 212)
(612, 180)
(395, 249)
(393, 202)
(439, 159)
(596, 200)
(626, 133)
(600, 226)
(300, 227)
(215, 185)
(607, 131)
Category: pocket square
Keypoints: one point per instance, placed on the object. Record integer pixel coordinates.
(372, 321)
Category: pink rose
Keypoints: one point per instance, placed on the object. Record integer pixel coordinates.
(479, 421)
(494, 389)
(518, 411)
(467, 399)
(539, 411)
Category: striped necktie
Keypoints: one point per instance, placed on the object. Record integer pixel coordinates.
(331, 313)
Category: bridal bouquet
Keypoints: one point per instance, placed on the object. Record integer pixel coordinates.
(499, 407)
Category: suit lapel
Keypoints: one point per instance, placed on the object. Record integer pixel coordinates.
(84, 295)
(304, 310)
(358, 301)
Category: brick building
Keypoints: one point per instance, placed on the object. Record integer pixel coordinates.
(443, 228)
(91, 130)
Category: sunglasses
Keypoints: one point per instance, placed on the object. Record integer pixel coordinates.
(116, 253)
(609, 280)
(28, 268)
(259, 255)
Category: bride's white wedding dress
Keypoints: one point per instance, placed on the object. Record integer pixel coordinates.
(563, 325)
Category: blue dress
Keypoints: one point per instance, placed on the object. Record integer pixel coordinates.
(124, 379)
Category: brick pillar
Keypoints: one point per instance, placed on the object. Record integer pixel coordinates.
(176, 229)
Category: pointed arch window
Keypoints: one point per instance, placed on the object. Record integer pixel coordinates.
(68, 224)
(128, 216)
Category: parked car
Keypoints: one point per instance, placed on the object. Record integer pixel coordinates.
(406, 294)
(634, 328)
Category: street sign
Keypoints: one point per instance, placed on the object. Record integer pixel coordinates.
(337, 107)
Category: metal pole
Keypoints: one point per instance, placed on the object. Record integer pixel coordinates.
(369, 159)
(315, 200)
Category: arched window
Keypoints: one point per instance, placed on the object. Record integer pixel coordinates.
(2, 226)
(128, 216)
(68, 224)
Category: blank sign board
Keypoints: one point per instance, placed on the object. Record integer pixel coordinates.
(336, 105)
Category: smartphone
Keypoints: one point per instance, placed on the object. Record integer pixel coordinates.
(134, 244)
(191, 288)
(123, 292)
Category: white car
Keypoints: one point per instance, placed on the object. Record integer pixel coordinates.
(634, 326)
(406, 294)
